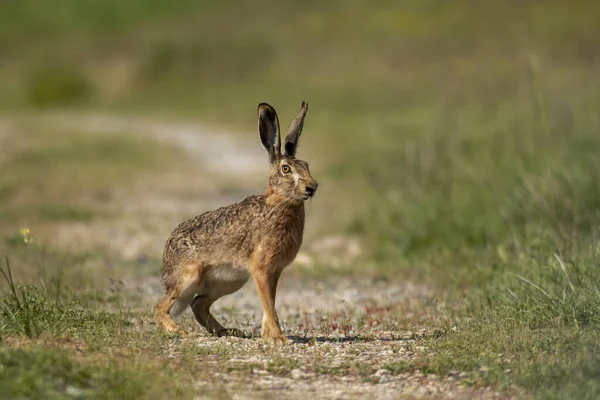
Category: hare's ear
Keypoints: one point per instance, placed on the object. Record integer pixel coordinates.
(294, 131)
(268, 130)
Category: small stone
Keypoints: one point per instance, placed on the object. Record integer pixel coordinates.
(304, 259)
(382, 372)
(259, 372)
(74, 391)
(298, 374)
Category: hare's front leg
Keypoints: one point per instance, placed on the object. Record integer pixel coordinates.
(266, 284)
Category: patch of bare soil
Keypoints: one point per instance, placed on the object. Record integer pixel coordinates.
(348, 338)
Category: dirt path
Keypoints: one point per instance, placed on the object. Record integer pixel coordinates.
(349, 340)
(219, 168)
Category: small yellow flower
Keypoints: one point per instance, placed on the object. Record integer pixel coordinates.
(26, 233)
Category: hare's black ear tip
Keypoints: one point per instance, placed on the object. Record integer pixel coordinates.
(262, 107)
(304, 104)
(265, 109)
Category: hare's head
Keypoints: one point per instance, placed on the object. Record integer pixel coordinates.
(290, 177)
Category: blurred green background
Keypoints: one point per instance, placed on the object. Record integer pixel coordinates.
(458, 140)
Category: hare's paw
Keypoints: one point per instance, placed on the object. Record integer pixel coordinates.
(168, 326)
(183, 334)
(231, 332)
(271, 333)
(177, 333)
(276, 339)
(174, 330)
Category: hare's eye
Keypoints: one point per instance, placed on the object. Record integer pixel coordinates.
(286, 169)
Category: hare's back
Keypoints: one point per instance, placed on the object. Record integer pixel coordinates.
(226, 227)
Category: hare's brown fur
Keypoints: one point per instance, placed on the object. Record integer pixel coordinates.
(215, 253)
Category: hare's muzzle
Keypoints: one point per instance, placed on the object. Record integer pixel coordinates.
(311, 190)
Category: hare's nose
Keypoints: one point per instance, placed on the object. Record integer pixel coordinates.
(310, 190)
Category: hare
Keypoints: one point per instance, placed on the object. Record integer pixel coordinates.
(215, 253)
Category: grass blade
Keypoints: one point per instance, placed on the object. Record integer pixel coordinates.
(532, 284)
(564, 269)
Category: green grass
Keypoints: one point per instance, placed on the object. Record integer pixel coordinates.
(370, 61)
(45, 373)
(458, 140)
(59, 341)
(498, 210)
(38, 326)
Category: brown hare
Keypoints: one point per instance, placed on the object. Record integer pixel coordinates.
(214, 254)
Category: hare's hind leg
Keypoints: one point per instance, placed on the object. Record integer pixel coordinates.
(201, 308)
(161, 312)
(179, 294)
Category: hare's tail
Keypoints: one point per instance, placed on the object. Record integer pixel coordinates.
(180, 305)
(184, 300)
